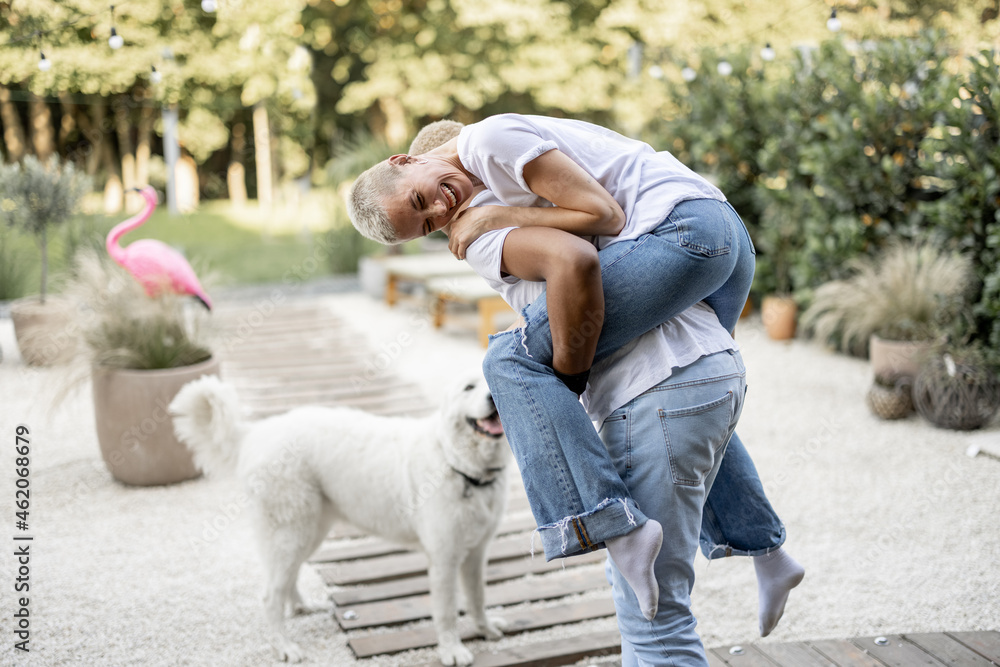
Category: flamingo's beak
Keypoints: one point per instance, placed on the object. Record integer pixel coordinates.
(203, 300)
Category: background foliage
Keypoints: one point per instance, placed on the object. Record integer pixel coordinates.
(886, 130)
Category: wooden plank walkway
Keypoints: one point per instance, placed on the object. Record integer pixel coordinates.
(303, 354)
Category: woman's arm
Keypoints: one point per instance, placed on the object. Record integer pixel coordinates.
(582, 205)
(571, 270)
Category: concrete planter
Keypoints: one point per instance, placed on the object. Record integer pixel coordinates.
(893, 359)
(45, 332)
(779, 314)
(134, 429)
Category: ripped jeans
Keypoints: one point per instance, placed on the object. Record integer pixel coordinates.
(701, 251)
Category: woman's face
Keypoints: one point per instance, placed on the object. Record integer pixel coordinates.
(431, 190)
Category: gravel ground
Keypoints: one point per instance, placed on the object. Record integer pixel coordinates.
(896, 525)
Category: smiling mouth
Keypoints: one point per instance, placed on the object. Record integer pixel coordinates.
(451, 194)
(488, 426)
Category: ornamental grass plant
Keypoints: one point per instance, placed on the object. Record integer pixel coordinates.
(907, 293)
(123, 328)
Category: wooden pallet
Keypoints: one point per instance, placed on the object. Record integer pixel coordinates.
(303, 354)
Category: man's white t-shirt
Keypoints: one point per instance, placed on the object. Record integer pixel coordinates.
(637, 366)
(645, 183)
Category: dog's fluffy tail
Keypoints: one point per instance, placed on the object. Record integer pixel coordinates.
(207, 419)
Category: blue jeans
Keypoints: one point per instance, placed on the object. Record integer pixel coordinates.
(667, 445)
(701, 251)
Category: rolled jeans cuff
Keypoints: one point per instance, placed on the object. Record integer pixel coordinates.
(614, 517)
(713, 551)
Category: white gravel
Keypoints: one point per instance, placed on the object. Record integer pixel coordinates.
(897, 527)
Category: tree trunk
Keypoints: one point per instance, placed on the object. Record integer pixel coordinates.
(43, 243)
(13, 131)
(236, 181)
(123, 126)
(262, 152)
(95, 135)
(142, 147)
(67, 125)
(396, 129)
(105, 158)
(42, 132)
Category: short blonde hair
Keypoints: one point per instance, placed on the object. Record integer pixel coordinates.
(366, 203)
(433, 135)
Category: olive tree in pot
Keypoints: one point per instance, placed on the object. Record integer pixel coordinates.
(35, 196)
(138, 351)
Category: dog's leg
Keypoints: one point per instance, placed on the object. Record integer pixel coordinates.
(474, 585)
(443, 575)
(283, 560)
(286, 540)
(299, 605)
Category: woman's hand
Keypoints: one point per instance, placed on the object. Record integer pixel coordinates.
(471, 224)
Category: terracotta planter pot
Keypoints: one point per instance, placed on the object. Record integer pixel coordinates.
(779, 314)
(894, 359)
(45, 332)
(135, 431)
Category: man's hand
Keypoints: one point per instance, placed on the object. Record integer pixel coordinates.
(471, 224)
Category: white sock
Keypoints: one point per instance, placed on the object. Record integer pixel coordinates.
(634, 555)
(777, 574)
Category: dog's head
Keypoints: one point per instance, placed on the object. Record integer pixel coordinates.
(478, 439)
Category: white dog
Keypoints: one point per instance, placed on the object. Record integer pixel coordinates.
(437, 482)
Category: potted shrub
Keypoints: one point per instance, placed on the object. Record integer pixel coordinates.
(34, 197)
(138, 351)
(892, 306)
(778, 243)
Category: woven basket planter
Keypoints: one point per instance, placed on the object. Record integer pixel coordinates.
(891, 401)
(956, 396)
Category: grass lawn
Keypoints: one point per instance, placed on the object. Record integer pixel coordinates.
(210, 238)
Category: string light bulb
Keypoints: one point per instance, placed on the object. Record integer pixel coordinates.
(115, 41)
(767, 53)
(44, 63)
(155, 75)
(724, 68)
(833, 23)
(688, 74)
(209, 6)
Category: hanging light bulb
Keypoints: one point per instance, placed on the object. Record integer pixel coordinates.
(688, 74)
(44, 63)
(833, 23)
(724, 68)
(155, 75)
(115, 41)
(767, 53)
(209, 6)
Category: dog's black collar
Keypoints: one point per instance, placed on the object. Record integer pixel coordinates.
(479, 482)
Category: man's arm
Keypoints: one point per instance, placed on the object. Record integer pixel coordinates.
(582, 205)
(571, 270)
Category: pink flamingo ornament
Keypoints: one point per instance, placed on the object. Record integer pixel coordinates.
(157, 266)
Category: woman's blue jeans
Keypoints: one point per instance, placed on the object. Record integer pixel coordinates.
(700, 252)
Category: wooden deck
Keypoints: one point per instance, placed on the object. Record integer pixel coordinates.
(302, 354)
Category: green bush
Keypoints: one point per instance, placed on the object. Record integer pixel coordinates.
(961, 157)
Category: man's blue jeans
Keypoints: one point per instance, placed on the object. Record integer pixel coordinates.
(667, 445)
(701, 251)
